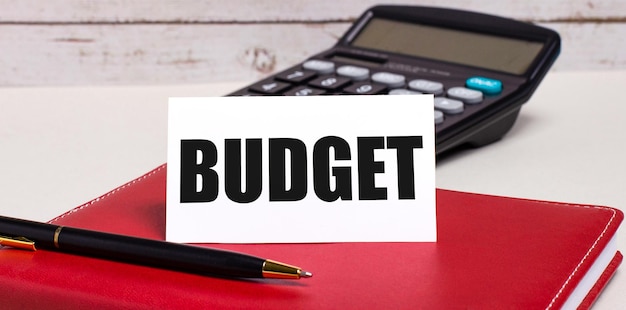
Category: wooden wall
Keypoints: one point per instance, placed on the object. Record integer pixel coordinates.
(79, 42)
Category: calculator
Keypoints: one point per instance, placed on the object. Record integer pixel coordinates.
(480, 68)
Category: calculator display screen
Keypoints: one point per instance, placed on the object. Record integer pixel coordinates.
(461, 47)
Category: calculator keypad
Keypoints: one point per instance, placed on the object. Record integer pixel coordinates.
(320, 77)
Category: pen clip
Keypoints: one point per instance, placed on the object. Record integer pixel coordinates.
(18, 242)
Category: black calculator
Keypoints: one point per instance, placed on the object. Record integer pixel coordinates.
(480, 68)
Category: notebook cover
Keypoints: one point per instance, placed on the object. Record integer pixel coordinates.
(493, 252)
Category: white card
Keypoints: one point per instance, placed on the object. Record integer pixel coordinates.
(318, 169)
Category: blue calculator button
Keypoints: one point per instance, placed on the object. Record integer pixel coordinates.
(485, 85)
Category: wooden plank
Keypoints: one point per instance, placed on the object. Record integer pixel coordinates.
(207, 11)
(103, 54)
(192, 53)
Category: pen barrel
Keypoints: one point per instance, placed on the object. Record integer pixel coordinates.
(155, 253)
(41, 232)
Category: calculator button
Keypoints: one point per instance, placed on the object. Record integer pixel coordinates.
(304, 91)
(438, 117)
(466, 95)
(426, 86)
(319, 66)
(353, 72)
(269, 87)
(364, 88)
(448, 106)
(402, 91)
(485, 85)
(330, 82)
(295, 76)
(392, 80)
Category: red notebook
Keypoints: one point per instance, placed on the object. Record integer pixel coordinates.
(493, 253)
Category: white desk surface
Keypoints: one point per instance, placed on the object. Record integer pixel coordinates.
(60, 147)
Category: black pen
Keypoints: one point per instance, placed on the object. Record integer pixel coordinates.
(195, 259)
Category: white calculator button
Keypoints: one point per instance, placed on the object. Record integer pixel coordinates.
(319, 66)
(466, 95)
(438, 117)
(426, 86)
(448, 106)
(353, 72)
(391, 80)
(402, 91)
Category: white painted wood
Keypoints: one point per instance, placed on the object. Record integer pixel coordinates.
(66, 42)
(182, 53)
(143, 54)
(116, 11)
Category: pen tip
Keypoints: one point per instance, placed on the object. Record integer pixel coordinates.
(305, 274)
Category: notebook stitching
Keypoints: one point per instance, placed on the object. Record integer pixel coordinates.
(586, 256)
(92, 202)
